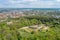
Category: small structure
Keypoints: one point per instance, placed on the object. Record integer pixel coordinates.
(34, 26)
(8, 23)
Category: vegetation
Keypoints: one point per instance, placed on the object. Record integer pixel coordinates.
(10, 29)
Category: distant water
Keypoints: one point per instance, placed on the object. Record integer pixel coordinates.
(12, 9)
(30, 8)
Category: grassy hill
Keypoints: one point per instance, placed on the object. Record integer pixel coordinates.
(22, 29)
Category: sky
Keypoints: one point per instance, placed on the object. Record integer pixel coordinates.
(29, 3)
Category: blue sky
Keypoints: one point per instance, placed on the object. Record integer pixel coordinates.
(29, 3)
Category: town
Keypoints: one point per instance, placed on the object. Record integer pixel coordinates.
(19, 13)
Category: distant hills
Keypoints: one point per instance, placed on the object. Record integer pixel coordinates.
(12, 9)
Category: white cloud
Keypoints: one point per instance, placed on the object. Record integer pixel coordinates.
(30, 0)
(21, 1)
(33, 3)
(58, 0)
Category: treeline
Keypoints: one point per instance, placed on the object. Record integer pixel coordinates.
(12, 32)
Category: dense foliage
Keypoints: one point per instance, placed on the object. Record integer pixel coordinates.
(12, 31)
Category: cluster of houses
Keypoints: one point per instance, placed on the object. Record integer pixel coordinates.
(15, 15)
(2, 16)
(11, 15)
